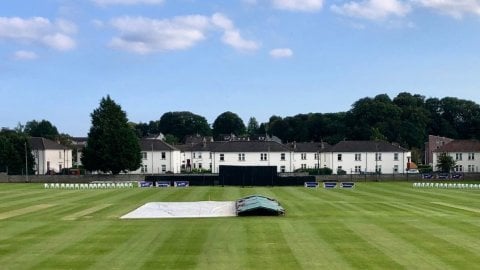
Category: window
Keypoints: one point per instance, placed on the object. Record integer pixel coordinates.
(210, 166)
(316, 156)
(378, 168)
(339, 157)
(164, 155)
(143, 169)
(282, 169)
(199, 165)
(358, 169)
(358, 157)
(59, 154)
(303, 156)
(458, 156)
(471, 156)
(210, 155)
(263, 156)
(459, 168)
(164, 168)
(395, 168)
(471, 168)
(241, 156)
(395, 156)
(304, 166)
(317, 166)
(282, 156)
(194, 154)
(339, 169)
(378, 156)
(199, 155)
(144, 155)
(222, 157)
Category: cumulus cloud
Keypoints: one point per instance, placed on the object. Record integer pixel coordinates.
(373, 9)
(38, 30)
(231, 35)
(454, 8)
(127, 2)
(144, 35)
(25, 55)
(298, 5)
(281, 53)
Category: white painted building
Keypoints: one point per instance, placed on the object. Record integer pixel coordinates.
(310, 155)
(465, 153)
(356, 157)
(50, 156)
(158, 157)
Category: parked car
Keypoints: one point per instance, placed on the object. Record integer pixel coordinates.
(413, 171)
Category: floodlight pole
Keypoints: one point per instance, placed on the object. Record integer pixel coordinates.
(26, 163)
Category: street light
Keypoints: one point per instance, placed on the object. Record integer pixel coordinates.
(26, 163)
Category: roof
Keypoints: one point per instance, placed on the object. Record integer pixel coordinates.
(310, 147)
(236, 146)
(366, 146)
(39, 143)
(155, 145)
(258, 205)
(460, 146)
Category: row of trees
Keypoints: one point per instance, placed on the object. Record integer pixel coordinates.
(406, 119)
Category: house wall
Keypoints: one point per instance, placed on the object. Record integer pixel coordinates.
(367, 162)
(310, 162)
(52, 160)
(463, 162)
(253, 159)
(152, 162)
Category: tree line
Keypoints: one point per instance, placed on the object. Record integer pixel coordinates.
(407, 119)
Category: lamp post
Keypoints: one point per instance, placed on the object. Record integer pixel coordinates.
(26, 163)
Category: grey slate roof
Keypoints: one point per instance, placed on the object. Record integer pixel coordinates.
(38, 143)
(310, 147)
(236, 146)
(366, 146)
(158, 145)
(460, 146)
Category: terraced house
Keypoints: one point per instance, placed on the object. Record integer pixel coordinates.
(466, 154)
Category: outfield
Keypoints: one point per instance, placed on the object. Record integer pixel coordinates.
(374, 226)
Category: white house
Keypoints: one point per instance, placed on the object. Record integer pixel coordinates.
(355, 157)
(310, 155)
(50, 156)
(466, 154)
(158, 157)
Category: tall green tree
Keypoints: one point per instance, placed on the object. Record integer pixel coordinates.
(112, 145)
(445, 163)
(228, 123)
(43, 129)
(13, 148)
(182, 124)
(252, 126)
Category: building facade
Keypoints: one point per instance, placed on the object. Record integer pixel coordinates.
(158, 157)
(465, 153)
(50, 156)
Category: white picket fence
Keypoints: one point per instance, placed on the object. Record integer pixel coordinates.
(89, 186)
(446, 185)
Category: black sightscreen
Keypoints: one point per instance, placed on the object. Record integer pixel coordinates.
(248, 175)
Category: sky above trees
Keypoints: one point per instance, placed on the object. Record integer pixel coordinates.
(252, 57)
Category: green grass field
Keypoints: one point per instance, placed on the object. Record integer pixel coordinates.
(374, 226)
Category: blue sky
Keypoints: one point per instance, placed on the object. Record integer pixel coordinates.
(258, 58)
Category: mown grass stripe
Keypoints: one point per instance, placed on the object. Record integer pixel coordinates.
(85, 212)
(403, 252)
(23, 211)
(465, 208)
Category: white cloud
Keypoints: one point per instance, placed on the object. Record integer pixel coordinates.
(454, 8)
(38, 30)
(127, 2)
(373, 9)
(25, 55)
(231, 35)
(281, 53)
(298, 5)
(143, 35)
